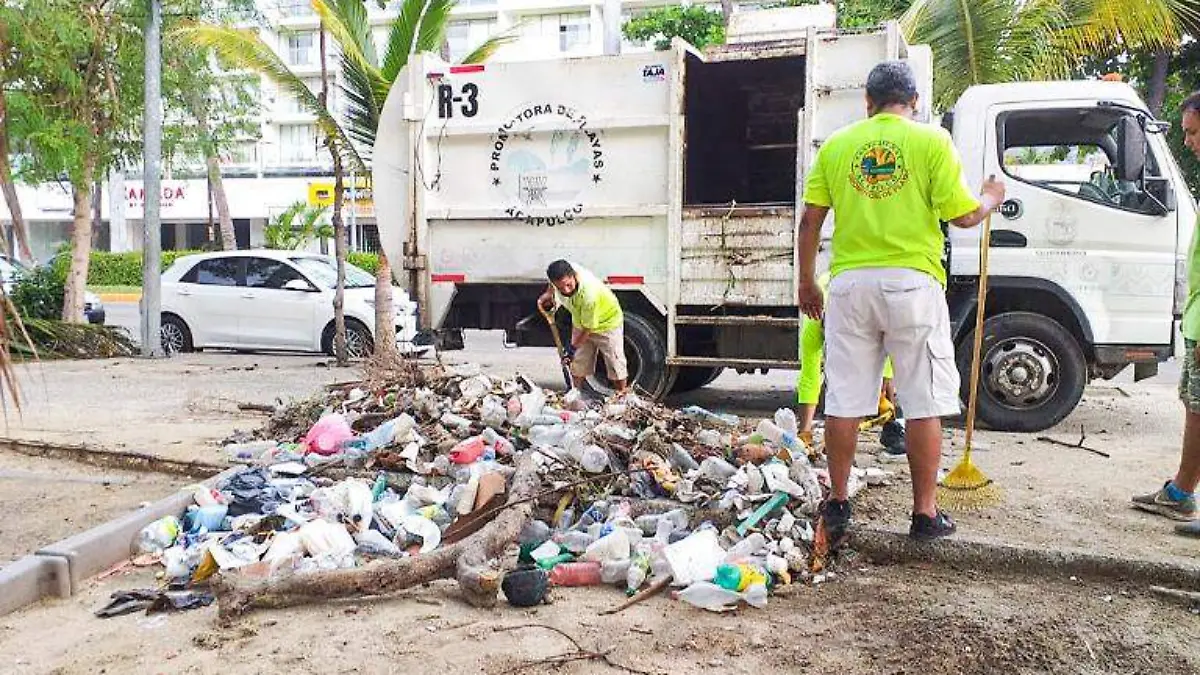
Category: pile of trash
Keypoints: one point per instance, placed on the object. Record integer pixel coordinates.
(634, 494)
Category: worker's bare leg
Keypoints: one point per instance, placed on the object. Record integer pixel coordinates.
(924, 455)
(1188, 476)
(841, 438)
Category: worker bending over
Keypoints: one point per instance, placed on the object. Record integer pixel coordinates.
(597, 322)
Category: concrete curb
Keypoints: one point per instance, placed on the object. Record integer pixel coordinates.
(883, 546)
(119, 297)
(61, 568)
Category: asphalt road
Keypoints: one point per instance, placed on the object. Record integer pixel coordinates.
(489, 347)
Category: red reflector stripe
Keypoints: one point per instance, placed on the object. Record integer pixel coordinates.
(449, 278)
(475, 68)
(616, 279)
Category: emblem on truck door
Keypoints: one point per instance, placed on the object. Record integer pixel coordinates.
(543, 160)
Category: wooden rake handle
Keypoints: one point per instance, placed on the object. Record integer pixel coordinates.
(985, 238)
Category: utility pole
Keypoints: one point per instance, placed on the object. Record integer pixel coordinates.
(151, 182)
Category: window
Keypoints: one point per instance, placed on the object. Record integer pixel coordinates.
(291, 105)
(464, 36)
(323, 270)
(300, 49)
(295, 7)
(297, 143)
(1074, 151)
(273, 274)
(574, 32)
(215, 272)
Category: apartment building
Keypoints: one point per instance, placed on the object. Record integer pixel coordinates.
(283, 162)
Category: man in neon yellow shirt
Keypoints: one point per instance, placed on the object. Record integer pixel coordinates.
(889, 181)
(811, 377)
(597, 322)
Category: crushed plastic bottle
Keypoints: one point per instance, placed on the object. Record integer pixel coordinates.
(576, 574)
(468, 451)
(785, 418)
(614, 571)
(709, 437)
(575, 541)
(740, 576)
(682, 460)
(531, 407)
(159, 535)
(456, 423)
(492, 412)
(615, 546)
(747, 547)
(676, 519)
(772, 432)
(593, 459)
(700, 414)
(248, 452)
(709, 596)
(639, 570)
(717, 470)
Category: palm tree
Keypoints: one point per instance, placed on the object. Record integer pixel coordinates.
(245, 49)
(420, 27)
(987, 41)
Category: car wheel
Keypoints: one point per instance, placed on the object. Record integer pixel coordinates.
(1032, 372)
(646, 358)
(175, 335)
(359, 344)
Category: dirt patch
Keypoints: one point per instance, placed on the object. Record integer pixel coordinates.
(880, 620)
(44, 500)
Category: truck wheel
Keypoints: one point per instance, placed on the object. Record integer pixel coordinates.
(1032, 372)
(646, 357)
(692, 378)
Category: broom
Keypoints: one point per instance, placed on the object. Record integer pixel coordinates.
(966, 488)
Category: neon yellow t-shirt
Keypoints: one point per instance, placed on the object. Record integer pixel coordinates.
(593, 306)
(1191, 311)
(890, 181)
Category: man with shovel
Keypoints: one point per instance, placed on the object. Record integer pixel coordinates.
(890, 181)
(597, 322)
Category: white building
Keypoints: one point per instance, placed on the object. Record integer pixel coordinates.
(263, 175)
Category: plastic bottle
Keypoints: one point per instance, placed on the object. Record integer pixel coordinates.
(639, 569)
(770, 431)
(548, 436)
(456, 423)
(709, 437)
(248, 452)
(593, 514)
(614, 571)
(700, 414)
(746, 548)
(548, 549)
(492, 412)
(785, 418)
(534, 532)
(501, 445)
(576, 574)
(615, 546)
(468, 451)
(159, 535)
(677, 519)
(379, 486)
(681, 460)
(710, 596)
(716, 469)
(531, 407)
(575, 541)
(739, 577)
(593, 459)
(551, 563)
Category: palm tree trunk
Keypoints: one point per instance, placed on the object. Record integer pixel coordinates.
(726, 11)
(81, 248)
(228, 235)
(339, 249)
(10, 189)
(385, 314)
(1158, 82)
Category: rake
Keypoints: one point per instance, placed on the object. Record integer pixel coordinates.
(966, 487)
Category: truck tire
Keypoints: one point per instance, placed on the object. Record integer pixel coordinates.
(691, 378)
(1032, 372)
(646, 356)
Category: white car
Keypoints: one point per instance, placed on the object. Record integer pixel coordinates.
(272, 301)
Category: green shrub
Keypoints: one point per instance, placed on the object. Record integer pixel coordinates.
(120, 269)
(38, 293)
(367, 261)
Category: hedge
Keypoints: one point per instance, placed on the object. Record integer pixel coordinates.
(125, 269)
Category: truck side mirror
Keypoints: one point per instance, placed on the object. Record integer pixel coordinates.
(1131, 153)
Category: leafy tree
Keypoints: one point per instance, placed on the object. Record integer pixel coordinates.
(696, 24)
(296, 226)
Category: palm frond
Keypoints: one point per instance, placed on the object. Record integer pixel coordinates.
(489, 47)
(433, 25)
(247, 50)
(1134, 24)
(420, 27)
(986, 41)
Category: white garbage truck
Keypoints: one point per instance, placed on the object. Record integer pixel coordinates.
(676, 176)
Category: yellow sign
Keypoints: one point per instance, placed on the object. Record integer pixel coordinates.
(321, 194)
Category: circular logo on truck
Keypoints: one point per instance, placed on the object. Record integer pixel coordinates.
(879, 170)
(543, 160)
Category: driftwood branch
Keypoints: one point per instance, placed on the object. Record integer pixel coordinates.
(469, 561)
(1190, 598)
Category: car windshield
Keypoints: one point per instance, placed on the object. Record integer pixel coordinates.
(323, 271)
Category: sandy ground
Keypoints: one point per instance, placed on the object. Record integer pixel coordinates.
(880, 620)
(44, 501)
(895, 620)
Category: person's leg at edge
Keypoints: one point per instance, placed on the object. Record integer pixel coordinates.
(924, 454)
(841, 440)
(1176, 498)
(1188, 475)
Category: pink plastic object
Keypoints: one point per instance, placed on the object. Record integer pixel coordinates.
(576, 574)
(469, 450)
(328, 434)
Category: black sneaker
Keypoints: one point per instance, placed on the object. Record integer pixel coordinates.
(836, 519)
(895, 445)
(926, 528)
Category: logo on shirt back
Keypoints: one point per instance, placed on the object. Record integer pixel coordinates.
(879, 170)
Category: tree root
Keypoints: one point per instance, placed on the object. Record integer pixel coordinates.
(470, 561)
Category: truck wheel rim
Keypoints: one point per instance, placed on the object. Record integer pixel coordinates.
(172, 338)
(1020, 373)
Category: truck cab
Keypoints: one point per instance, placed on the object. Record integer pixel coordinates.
(676, 177)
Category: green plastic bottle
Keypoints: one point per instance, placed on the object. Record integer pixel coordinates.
(740, 577)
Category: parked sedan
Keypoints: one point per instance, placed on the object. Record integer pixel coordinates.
(11, 269)
(272, 301)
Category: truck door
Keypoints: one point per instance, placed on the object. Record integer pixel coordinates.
(1073, 225)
